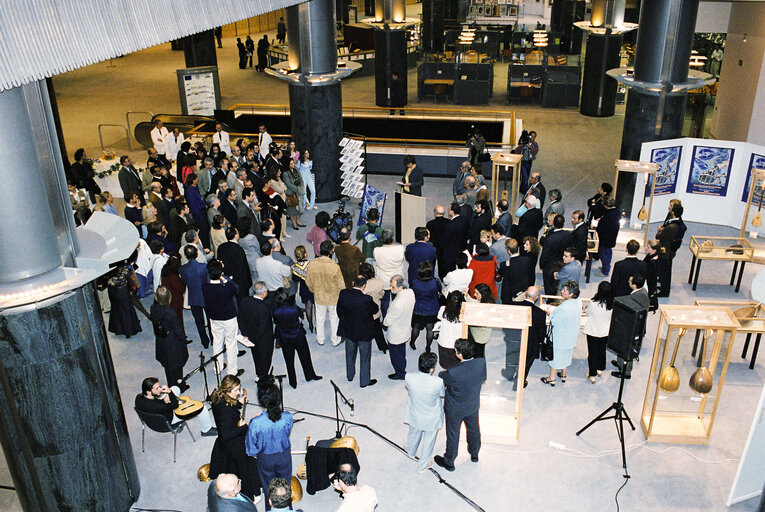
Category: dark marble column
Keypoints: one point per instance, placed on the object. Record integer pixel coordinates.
(317, 123)
(62, 424)
(390, 56)
(599, 89)
(432, 26)
(199, 49)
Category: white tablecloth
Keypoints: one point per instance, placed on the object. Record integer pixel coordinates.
(111, 182)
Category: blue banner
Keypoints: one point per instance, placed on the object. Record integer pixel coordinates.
(373, 198)
(755, 162)
(666, 177)
(710, 169)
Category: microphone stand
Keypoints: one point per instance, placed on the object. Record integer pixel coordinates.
(347, 402)
(203, 368)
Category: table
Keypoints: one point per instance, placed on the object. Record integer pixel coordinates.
(754, 324)
(439, 86)
(721, 253)
(108, 183)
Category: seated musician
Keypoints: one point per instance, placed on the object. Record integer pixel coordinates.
(157, 398)
(229, 455)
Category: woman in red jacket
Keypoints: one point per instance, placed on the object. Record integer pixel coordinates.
(483, 265)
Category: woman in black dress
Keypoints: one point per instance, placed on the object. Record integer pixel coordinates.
(123, 319)
(291, 335)
(229, 455)
(170, 351)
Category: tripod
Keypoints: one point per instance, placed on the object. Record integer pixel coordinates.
(620, 414)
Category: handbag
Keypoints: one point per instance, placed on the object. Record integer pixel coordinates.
(546, 347)
(484, 157)
(292, 200)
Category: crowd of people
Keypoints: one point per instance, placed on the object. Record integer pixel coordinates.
(217, 250)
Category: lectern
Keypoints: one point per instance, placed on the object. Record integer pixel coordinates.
(410, 213)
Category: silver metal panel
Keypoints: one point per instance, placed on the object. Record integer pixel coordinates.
(28, 241)
(313, 41)
(83, 32)
(390, 11)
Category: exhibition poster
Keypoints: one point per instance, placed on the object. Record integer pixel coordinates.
(710, 168)
(755, 162)
(373, 198)
(666, 177)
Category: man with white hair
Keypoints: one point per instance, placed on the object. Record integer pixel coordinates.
(224, 495)
(398, 320)
(530, 222)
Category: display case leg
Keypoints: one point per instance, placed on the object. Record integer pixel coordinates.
(690, 274)
(746, 345)
(587, 269)
(754, 351)
(695, 342)
(733, 274)
(696, 276)
(740, 275)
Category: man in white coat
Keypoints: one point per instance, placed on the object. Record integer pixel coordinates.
(173, 143)
(398, 320)
(425, 410)
(222, 139)
(158, 135)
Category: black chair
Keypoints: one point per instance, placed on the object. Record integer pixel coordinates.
(159, 423)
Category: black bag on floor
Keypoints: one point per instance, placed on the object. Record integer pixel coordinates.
(546, 347)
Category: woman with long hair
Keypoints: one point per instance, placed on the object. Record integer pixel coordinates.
(123, 319)
(598, 324)
(170, 349)
(296, 186)
(305, 166)
(218, 233)
(657, 264)
(290, 334)
(532, 249)
(268, 437)
(171, 279)
(229, 454)
(564, 324)
(292, 151)
(426, 290)
(277, 195)
(480, 335)
(299, 269)
(451, 329)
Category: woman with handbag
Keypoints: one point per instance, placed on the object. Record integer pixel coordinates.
(564, 330)
(451, 329)
(597, 327)
(290, 333)
(295, 194)
(123, 319)
(170, 349)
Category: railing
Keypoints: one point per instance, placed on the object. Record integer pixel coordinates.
(101, 137)
(127, 118)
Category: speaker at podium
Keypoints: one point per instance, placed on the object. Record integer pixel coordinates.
(410, 213)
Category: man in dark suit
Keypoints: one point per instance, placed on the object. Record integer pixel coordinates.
(130, 180)
(437, 225)
(629, 266)
(462, 402)
(234, 261)
(228, 206)
(185, 158)
(637, 300)
(166, 207)
(180, 223)
(248, 211)
(418, 251)
(505, 219)
(466, 209)
(670, 236)
(224, 494)
(536, 184)
(355, 312)
(537, 333)
(530, 222)
(481, 221)
(194, 275)
(552, 253)
(452, 241)
(579, 235)
(515, 272)
(257, 324)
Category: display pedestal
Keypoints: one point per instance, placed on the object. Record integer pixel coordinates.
(504, 166)
(410, 214)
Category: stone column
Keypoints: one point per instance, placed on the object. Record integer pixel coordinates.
(390, 49)
(432, 26)
(314, 89)
(62, 425)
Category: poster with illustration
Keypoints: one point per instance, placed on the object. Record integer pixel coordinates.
(373, 198)
(755, 162)
(710, 169)
(666, 177)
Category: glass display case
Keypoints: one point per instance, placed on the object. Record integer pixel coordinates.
(683, 391)
(720, 248)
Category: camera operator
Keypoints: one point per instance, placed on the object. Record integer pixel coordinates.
(528, 148)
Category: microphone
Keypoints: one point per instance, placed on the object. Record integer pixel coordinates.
(353, 407)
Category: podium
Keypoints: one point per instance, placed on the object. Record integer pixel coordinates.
(410, 213)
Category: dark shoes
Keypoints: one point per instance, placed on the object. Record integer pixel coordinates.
(210, 433)
(618, 375)
(395, 376)
(412, 345)
(241, 353)
(474, 458)
(372, 382)
(441, 462)
(239, 372)
(316, 377)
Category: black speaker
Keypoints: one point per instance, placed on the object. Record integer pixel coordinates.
(390, 56)
(625, 335)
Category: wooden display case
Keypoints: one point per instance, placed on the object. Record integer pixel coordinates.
(686, 416)
(750, 314)
(720, 248)
(498, 425)
(506, 164)
(757, 180)
(646, 169)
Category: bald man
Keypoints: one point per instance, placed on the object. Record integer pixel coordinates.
(437, 225)
(224, 495)
(537, 332)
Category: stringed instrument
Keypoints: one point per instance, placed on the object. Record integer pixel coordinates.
(642, 214)
(187, 406)
(701, 380)
(757, 220)
(669, 379)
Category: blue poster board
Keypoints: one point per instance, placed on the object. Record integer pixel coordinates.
(372, 198)
(666, 177)
(710, 169)
(755, 162)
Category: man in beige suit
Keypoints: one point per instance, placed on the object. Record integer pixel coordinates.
(325, 280)
(399, 322)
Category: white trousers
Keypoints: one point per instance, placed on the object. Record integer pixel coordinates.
(321, 315)
(224, 331)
